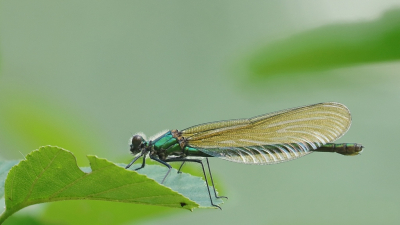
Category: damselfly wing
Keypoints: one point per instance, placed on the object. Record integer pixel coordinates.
(274, 137)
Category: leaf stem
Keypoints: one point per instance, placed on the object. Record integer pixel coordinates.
(6, 214)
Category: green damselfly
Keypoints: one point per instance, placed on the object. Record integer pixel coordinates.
(266, 139)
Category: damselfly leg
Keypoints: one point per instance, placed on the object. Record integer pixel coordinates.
(204, 173)
(212, 181)
(179, 170)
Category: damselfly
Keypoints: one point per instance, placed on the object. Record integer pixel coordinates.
(266, 139)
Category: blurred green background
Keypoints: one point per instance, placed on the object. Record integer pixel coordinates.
(86, 75)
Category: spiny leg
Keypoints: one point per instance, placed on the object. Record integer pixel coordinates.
(143, 163)
(179, 171)
(133, 161)
(212, 181)
(164, 163)
(204, 172)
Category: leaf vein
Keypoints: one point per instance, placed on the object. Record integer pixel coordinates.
(37, 178)
(75, 181)
(113, 189)
(153, 196)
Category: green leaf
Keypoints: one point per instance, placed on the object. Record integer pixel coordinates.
(331, 46)
(51, 174)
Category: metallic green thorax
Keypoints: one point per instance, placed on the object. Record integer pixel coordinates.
(167, 144)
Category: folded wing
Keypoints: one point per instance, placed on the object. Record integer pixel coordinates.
(273, 137)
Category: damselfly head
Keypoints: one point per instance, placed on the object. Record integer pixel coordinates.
(137, 144)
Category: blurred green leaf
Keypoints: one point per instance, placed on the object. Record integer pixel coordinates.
(331, 47)
(102, 212)
(51, 174)
(29, 119)
(26, 219)
(5, 166)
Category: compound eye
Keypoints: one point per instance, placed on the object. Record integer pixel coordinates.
(136, 140)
